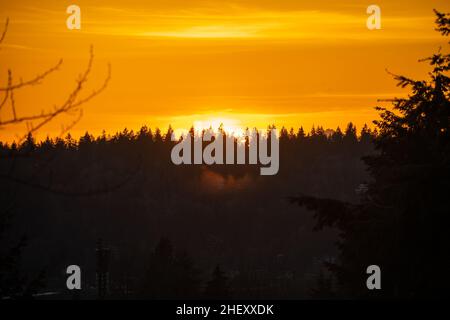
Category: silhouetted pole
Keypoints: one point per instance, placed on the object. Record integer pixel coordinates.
(102, 269)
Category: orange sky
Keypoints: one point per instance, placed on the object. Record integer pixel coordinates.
(250, 62)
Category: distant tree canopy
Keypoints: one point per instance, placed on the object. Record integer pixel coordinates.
(147, 135)
(401, 222)
(66, 193)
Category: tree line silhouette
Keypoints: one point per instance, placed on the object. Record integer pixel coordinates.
(124, 189)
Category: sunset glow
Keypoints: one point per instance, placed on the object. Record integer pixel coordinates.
(244, 62)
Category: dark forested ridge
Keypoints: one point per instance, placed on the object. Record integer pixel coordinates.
(168, 227)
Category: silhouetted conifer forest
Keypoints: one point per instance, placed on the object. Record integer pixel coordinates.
(169, 227)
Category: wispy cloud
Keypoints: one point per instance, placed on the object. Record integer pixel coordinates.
(241, 22)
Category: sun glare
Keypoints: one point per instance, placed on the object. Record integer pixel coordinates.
(229, 126)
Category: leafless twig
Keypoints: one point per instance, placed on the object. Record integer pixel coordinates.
(5, 30)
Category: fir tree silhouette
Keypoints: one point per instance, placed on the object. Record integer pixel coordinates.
(401, 222)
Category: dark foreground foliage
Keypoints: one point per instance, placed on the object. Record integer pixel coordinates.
(401, 223)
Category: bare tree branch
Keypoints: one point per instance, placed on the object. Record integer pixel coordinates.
(5, 99)
(63, 192)
(35, 122)
(5, 30)
(72, 103)
(36, 80)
